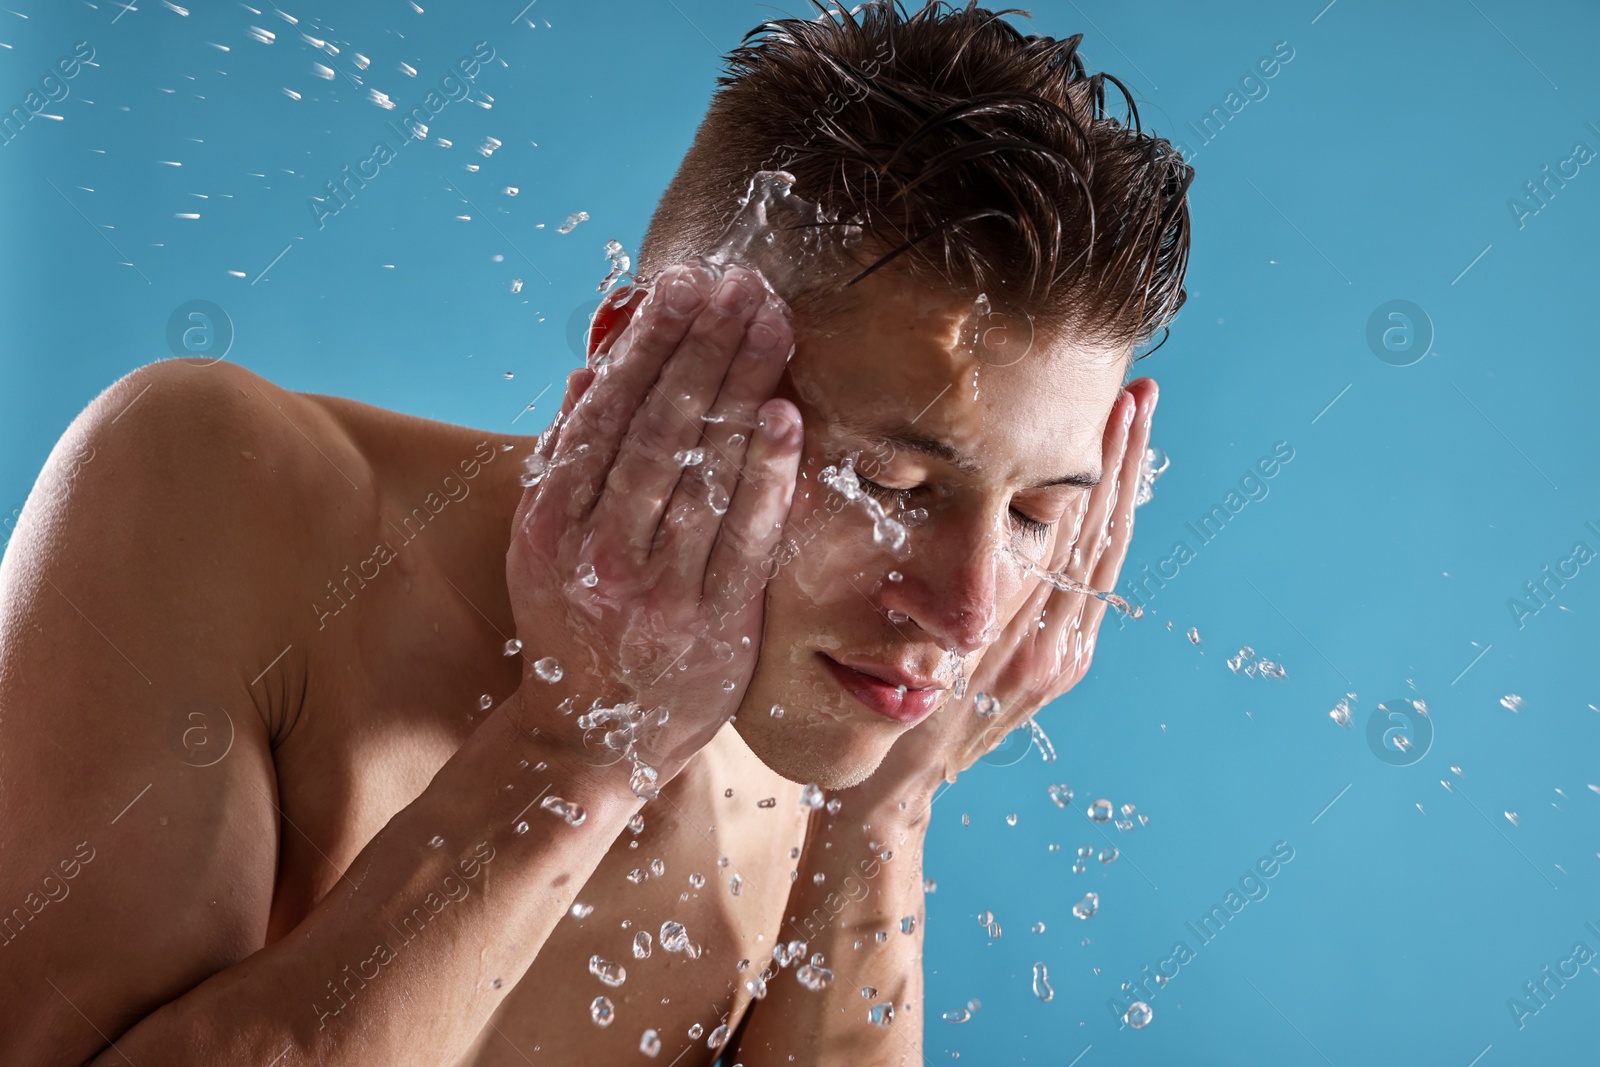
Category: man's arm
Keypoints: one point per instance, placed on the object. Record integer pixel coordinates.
(864, 918)
(139, 843)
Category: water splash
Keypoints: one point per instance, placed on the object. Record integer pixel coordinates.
(1067, 584)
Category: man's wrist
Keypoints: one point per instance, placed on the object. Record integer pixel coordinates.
(593, 777)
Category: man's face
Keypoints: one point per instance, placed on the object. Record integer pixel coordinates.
(973, 437)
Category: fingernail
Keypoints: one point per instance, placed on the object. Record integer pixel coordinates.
(682, 295)
(775, 428)
(763, 339)
(732, 296)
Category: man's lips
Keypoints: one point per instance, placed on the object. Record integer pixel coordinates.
(882, 697)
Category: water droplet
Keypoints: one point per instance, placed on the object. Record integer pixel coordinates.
(509, 375)
(987, 706)
(1516, 820)
(1011, 820)
(1194, 635)
(895, 576)
(834, 805)
(1511, 702)
(572, 221)
(1108, 854)
(777, 711)
(695, 1031)
(735, 884)
(582, 911)
(881, 936)
(612, 974)
(1041, 982)
(769, 802)
(485, 702)
(513, 647)
(602, 1011)
(636, 823)
(521, 827)
(881, 1014)
(960, 1015)
(1061, 795)
(1138, 1015)
(908, 923)
(586, 575)
(814, 978)
(435, 841)
(572, 812)
(674, 938)
(1086, 907)
(1038, 928)
(641, 945)
(642, 780)
(638, 875)
(718, 1037)
(650, 1043)
(658, 867)
(812, 797)
(548, 669)
(497, 983)
(1100, 810)
(697, 879)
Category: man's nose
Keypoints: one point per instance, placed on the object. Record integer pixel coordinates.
(950, 587)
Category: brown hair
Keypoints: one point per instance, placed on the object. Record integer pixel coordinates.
(982, 159)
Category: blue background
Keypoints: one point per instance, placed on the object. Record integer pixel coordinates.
(1419, 499)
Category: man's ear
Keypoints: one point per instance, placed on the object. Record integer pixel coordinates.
(611, 318)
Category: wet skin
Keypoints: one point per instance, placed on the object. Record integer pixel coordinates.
(346, 723)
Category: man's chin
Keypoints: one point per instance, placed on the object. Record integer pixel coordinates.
(833, 757)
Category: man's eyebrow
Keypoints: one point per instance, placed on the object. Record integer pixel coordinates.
(905, 436)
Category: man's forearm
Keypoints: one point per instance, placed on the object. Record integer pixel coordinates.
(433, 923)
(863, 916)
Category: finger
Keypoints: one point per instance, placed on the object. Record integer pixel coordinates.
(621, 304)
(578, 381)
(591, 435)
(1071, 617)
(738, 569)
(696, 508)
(671, 418)
(1109, 564)
(1086, 547)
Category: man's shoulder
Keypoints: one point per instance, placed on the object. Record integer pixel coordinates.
(184, 471)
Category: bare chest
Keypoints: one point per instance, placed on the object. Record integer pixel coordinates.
(714, 854)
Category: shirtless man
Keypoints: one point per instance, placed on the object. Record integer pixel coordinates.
(291, 763)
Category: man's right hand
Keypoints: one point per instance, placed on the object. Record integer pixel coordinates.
(622, 556)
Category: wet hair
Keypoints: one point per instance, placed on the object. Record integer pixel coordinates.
(976, 159)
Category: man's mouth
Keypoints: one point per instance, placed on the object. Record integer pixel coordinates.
(894, 700)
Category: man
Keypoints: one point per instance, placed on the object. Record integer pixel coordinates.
(324, 738)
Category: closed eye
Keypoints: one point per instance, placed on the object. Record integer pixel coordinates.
(1035, 529)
